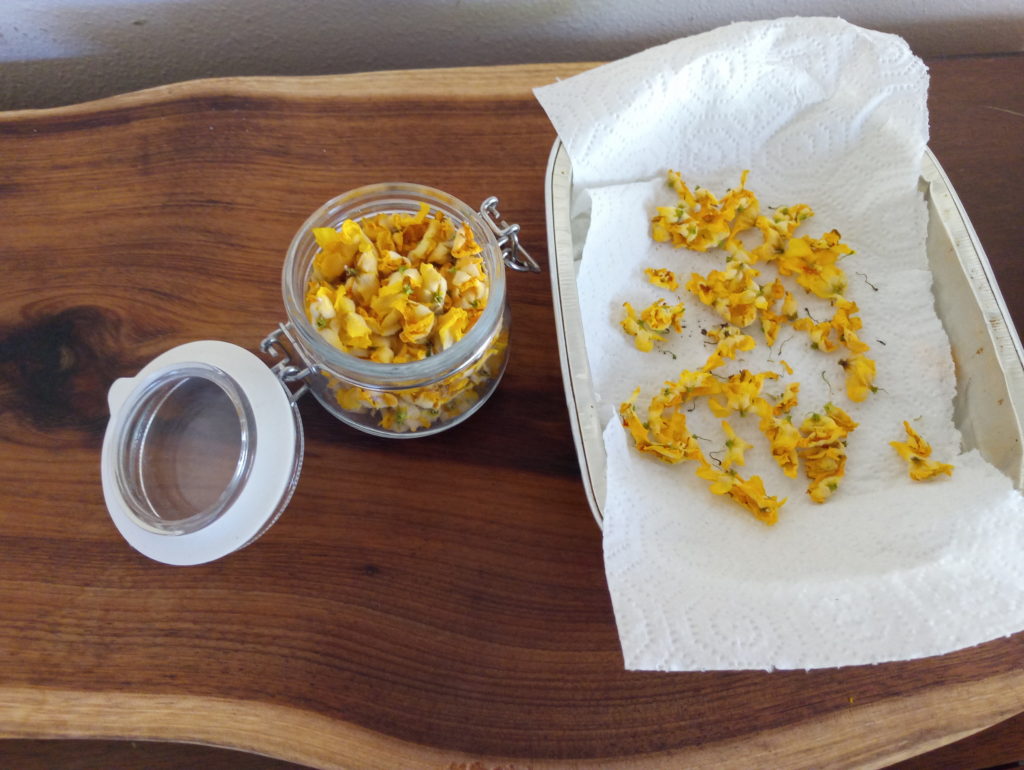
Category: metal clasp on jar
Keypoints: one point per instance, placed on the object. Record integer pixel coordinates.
(515, 256)
(285, 369)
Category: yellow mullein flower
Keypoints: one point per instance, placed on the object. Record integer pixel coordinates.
(433, 287)
(771, 322)
(820, 333)
(737, 204)
(694, 384)
(327, 238)
(426, 398)
(451, 327)
(732, 293)
(355, 332)
(773, 244)
(846, 314)
(735, 446)
(420, 216)
(773, 292)
(392, 295)
(745, 208)
(784, 437)
(788, 399)
(822, 487)
(643, 337)
(721, 482)
(850, 340)
(785, 441)
(787, 219)
(672, 442)
(812, 261)
(662, 277)
(789, 307)
(860, 376)
(632, 422)
(674, 452)
(916, 451)
(418, 323)
(676, 435)
(749, 493)
(740, 392)
(334, 256)
(705, 287)
(825, 429)
(730, 340)
(330, 335)
(376, 230)
(321, 309)
(653, 320)
(847, 323)
(389, 261)
(465, 244)
(660, 317)
(823, 449)
(665, 402)
(353, 240)
(468, 283)
(427, 243)
(367, 281)
(841, 418)
(675, 181)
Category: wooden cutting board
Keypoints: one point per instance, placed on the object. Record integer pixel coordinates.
(434, 603)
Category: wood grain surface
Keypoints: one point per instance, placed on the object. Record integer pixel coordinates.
(433, 603)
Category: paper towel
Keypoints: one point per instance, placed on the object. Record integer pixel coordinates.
(828, 114)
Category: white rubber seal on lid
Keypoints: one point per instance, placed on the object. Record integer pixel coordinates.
(252, 476)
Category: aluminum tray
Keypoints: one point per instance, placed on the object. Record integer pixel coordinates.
(987, 352)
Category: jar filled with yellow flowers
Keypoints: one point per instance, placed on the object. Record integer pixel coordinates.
(395, 295)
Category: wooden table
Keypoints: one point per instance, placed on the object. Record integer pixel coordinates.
(434, 603)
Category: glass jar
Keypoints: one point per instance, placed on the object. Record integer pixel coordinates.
(414, 398)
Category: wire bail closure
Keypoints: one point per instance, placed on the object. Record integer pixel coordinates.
(284, 369)
(515, 256)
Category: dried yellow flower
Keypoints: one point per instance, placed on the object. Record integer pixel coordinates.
(813, 263)
(662, 277)
(740, 391)
(735, 446)
(730, 341)
(749, 493)
(664, 435)
(916, 451)
(860, 376)
(823, 449)
(652, 322)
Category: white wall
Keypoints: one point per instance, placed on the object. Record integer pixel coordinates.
(63, 51)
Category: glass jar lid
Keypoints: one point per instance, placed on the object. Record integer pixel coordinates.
(201, 454)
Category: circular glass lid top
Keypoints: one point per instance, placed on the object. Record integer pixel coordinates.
(185, 450)
(201, 454)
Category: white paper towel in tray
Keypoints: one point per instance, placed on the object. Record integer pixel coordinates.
(834, 116)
